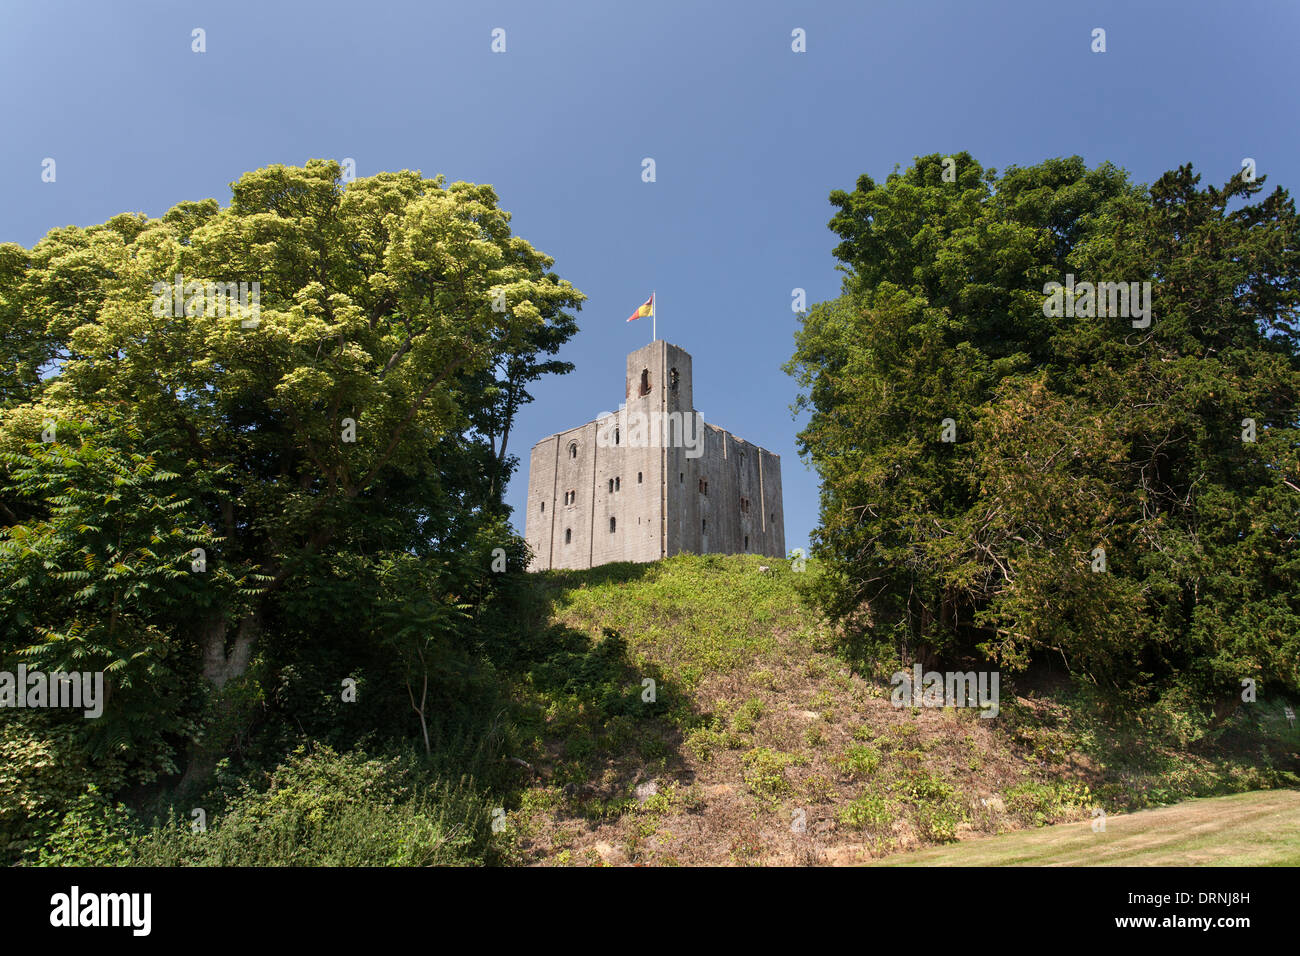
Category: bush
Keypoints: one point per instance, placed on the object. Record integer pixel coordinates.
(327, 809)
(937, 807)
(1038, 804)
(765, 772)
(93, 833)
(868, 812)
(44, 770)
(319, 808)
(860, 760)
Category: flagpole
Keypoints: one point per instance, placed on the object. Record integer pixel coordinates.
(654, 316)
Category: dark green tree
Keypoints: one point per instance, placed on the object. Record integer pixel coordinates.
(1070, 435)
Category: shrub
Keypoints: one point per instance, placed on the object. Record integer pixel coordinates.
(93, 832)
(764, 772)
(1038, 804)
(868, 812)
(937, 806)
(43, 772)
(860, 760)
(327, 809)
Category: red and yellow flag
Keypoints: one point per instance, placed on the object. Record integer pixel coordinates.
(645, 311)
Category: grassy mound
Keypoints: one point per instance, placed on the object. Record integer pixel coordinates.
(696, 711)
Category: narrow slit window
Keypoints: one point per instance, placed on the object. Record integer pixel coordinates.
(612, 525)
(568, 535)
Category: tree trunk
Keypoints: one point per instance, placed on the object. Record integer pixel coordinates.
(223, 661)
(1223, 709)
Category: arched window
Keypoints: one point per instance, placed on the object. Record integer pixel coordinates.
(638, 477)
(611, 525)
(616, 436)
(543, 507)
(618, 483)
(568, 535)
(611, 486)
(573, 449)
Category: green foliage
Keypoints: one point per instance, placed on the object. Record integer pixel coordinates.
(1072, 432)
(860, 760)
(319, 808)
(868, 812)
(1038, 803)
(102, 580)
(93, 832)
(937, 806)
(764, 772)
(44, 771)
(747, 715)
(343, 451)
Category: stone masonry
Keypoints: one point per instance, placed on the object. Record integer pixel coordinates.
(651, 480)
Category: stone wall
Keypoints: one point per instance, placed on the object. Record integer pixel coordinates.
(615, 470)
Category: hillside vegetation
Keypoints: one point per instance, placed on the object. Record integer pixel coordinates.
(764, 744)
(278, 535)
(691, 711)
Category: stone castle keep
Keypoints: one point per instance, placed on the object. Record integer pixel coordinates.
(651, 480)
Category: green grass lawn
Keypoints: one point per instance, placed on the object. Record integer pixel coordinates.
(1244, 829)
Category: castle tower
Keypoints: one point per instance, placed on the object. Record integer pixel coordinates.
(651, 480)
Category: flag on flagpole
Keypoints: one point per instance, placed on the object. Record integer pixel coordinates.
(648, 309)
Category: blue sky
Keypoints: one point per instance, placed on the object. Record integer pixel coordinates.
(748, 137)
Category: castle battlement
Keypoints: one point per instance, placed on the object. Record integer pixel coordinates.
(651, 480)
